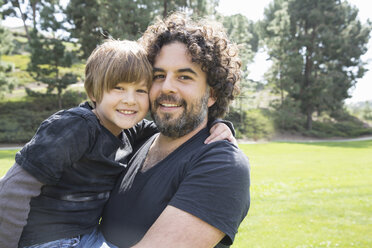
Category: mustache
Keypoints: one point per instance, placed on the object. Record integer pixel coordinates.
(169, 98)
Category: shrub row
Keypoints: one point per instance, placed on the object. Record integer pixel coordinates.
(20, 120)
(254, 123)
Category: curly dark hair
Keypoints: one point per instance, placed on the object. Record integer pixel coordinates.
(208, 45)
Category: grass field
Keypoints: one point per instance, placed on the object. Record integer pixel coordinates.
(309, 195)
(304, 195)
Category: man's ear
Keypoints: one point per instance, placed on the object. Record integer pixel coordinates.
(212, 99)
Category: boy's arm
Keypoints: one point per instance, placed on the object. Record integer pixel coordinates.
(17, 188)
(141, 131)
(221, 130)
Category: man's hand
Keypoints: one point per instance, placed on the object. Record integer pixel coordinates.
(220, 131)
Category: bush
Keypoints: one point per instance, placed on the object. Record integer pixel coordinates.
(338, 129)
(20, 120)
(253, 123)
(288, 118)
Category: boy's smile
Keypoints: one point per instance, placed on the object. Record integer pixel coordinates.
(123, 106)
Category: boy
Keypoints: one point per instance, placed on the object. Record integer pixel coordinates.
(62, 178)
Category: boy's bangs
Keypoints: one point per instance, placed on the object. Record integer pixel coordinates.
(132, 69)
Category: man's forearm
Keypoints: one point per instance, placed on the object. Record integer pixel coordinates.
(17, 188)
(177, 228)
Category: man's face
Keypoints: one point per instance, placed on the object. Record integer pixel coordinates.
(179, 94)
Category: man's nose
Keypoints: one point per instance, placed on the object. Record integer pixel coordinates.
(168, 85)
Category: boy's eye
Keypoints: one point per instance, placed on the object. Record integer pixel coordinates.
(142, 91)
(160, 76)
(118, 88)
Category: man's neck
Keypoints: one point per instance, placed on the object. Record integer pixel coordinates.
(164, 145)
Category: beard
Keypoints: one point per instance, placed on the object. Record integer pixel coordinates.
(193, 115)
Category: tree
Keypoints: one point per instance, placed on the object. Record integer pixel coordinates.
(6, 46)
(49, 54)
(316, 47)
(244, 33)
(83, 17)
(25, 10)
(92, 21)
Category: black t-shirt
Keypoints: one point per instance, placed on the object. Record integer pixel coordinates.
(79, 161)
(210, 182)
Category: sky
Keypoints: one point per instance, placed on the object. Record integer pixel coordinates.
(254, 9)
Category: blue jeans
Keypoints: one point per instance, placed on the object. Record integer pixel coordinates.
(60, 243)
(95, 239)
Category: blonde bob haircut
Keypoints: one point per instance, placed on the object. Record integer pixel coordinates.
(114, 62)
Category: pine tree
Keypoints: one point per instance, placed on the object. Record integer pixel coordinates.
(316, 47)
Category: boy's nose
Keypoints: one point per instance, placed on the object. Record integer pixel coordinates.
(129, 98)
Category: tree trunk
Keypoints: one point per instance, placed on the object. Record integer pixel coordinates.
(307, 78)
(59, 101)
(309, 120)
(33, 7)
(165, 6)
(24, 22)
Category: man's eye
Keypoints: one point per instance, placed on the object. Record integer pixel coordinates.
(185, 77)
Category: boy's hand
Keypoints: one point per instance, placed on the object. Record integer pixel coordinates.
(220, 131)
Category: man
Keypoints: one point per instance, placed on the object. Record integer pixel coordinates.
(180, 192)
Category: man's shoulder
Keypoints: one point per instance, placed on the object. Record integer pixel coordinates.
(223, 148)
(221, 154)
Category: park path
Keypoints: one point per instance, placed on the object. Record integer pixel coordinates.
(298, 139)
(306, 140)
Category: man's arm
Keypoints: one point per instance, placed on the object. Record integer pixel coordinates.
(177, 228)
(17, 188)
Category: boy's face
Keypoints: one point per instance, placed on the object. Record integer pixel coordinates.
(123, 106)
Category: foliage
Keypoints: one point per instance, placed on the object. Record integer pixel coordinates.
(38, 11)
(289, 119)
(362, 110)
(20, 61)
(47, 56)
(6, 83)
(316, 48)
(245, 34)
(92, 21)
(253, 123)
(19, 120)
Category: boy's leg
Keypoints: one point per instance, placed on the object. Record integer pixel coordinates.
(61, 243)
(95, 239)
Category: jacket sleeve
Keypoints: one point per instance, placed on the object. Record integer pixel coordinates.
(229, 124)
(17, 188)
(141, 132)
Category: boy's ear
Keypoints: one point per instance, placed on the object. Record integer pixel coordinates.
(93, 100)
(212, 99)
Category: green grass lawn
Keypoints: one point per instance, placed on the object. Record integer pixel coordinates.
(303, 195)
(309, 195)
